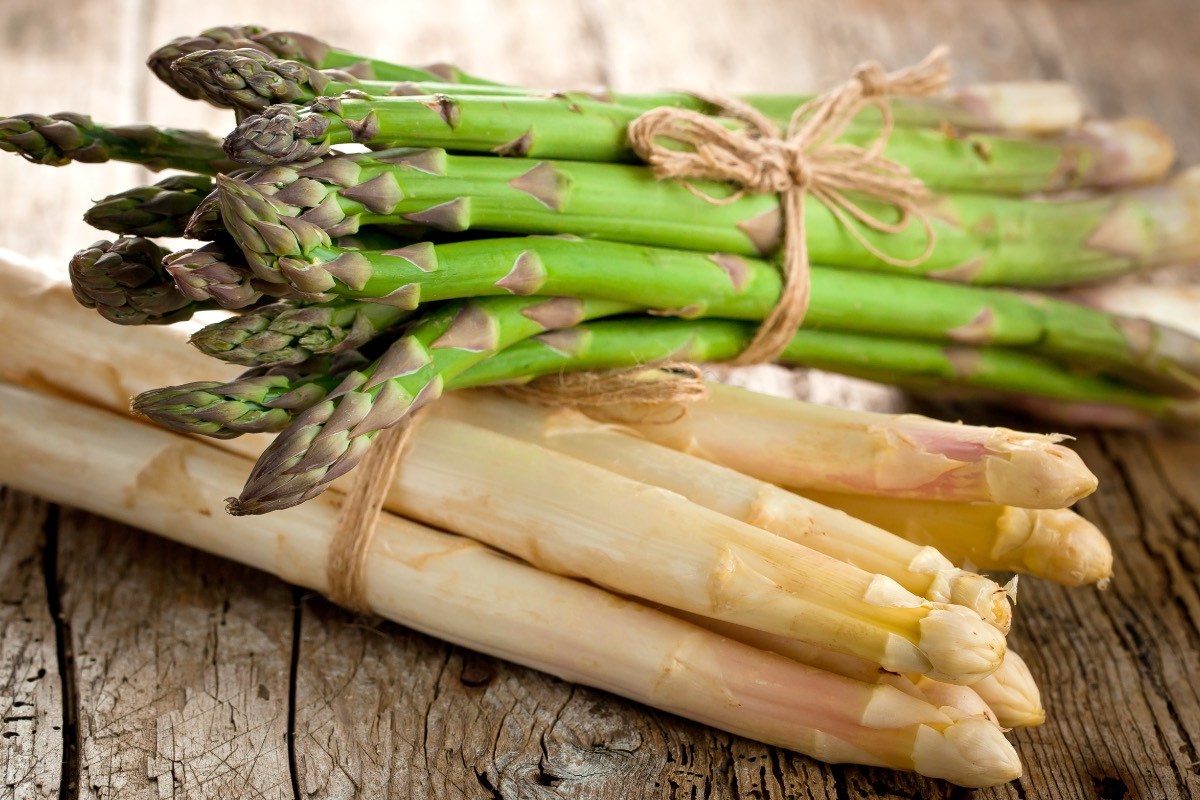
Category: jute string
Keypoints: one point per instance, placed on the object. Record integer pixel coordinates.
(757, 158)
(807, 160)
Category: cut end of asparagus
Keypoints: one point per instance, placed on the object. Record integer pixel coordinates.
(960, 646)
(971, 752)
(1012, 694)
(1154, 226)
(1128, 151)
(1022, 106)
(281, 134)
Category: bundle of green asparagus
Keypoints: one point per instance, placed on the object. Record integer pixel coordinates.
(386, 234)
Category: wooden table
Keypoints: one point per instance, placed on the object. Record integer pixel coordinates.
(131, 667)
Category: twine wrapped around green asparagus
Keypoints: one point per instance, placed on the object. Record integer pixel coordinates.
(808, 160)
(757, 159)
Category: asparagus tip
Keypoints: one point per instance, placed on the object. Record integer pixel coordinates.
(971, 752)
(1012, 694)
(960, 646)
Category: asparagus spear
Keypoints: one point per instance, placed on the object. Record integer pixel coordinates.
(288, 333)
(922, 571)
(986, 372)
(1012, 694)
(59, 139)
(162, 209)
(979, 238)
(126, 283)
(250, 80)
(584, 129)
(330, 438)
(301, 47)
(1055, 544)
(692, 284)
(465, 593)
(807, 446)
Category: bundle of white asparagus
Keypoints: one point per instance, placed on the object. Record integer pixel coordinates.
(672, 562)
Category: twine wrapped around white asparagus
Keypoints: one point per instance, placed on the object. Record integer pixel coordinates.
(463, 592)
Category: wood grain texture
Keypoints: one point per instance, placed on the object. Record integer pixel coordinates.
(182, 665)
(187, 677)
(31, 703)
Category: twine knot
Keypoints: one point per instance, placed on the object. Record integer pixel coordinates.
(805, 160)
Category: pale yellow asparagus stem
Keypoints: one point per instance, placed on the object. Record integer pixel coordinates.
(463, 592)
(1012, 694)
(955, 701)
(921, 570)
(805, 446)
(1055, 544)
(1174, 302)
(559, 513)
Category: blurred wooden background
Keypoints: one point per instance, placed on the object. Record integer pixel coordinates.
(131, 668)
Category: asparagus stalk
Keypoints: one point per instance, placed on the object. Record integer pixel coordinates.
(162, 209)
(299, 47)
(584, 129)
(261, 400)
(249, 80)
(692, 284)
(1175, 303)
(979, 238)
(920, 570)
(1055, 544)
(330, 438)
(59, 139)
(449, 587)
(986, 372)
(125, 281)
(288, 333)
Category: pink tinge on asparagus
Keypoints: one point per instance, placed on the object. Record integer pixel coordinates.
(805, 446)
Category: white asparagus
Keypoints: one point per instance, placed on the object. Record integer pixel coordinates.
(919, 569)
(573, 518)
(1012, 694)
(1056, 544)
(805, 446)
(463, 592)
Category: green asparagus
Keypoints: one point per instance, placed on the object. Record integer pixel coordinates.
(162, 209)
(329, 439)
(980, 239)
(691, 284)
(583, 129)
(125, 281)
(59, 139)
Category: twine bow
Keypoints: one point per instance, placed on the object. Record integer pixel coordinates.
(806, 160)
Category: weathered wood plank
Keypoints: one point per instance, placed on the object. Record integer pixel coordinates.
(182, 667)
(31, 710)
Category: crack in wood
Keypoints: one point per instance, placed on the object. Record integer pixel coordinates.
(64, 647)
